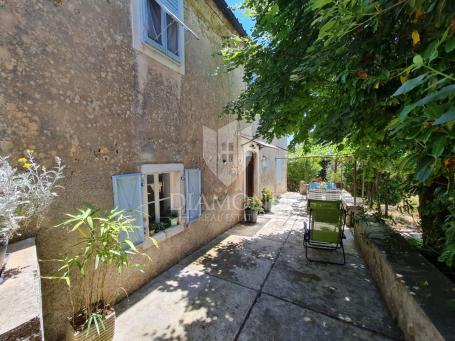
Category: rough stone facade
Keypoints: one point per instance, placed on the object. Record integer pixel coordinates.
(73, 86)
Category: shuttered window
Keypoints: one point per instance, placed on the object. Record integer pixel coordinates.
(193, 194)
(128, 197)
(162, 31)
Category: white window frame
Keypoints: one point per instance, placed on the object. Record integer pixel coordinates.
(176, 172)
(149, 47)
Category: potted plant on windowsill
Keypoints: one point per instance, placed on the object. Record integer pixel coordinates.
(174, 218)
(103, 248)
(25, 196)
(253, 206)
(267, 198)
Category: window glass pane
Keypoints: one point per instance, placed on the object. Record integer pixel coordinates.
(154, 21)
(150, 189)
(165, 185)
(165, 208)
(172, 35)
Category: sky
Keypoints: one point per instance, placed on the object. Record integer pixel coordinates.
(246, 21)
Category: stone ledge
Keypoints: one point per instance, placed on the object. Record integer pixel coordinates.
(418, 295)
(163, 235)
(20, 294)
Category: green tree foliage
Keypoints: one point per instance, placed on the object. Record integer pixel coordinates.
(377, 75)
(302, 169)
(304, 163)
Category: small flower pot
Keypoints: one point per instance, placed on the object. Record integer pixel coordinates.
(174, 221)
(251, 216)
(267, 206)
(106, 333)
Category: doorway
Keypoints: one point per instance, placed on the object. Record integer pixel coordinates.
(250, 162)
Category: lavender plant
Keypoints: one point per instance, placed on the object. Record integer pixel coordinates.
(26, 193)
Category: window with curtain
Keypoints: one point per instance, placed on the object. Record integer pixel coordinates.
(163, 32)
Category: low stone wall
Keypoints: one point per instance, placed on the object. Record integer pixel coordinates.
(20, 294)
(419, 296)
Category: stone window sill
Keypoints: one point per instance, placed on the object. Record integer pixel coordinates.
(162, 236)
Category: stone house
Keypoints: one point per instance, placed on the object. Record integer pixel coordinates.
(126, 93)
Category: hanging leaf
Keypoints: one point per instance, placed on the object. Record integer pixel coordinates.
(450, 45)
(437, 147)
(431, 53)
(410, 84)
(376, 85)
(424, 170)
(406, 110)
(443, 93)
(446, 117)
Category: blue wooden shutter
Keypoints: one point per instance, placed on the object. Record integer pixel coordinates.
(128, 197)
(173, 6)
(278, 170)
(193, 194)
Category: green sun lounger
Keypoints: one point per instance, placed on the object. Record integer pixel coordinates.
(326, 227)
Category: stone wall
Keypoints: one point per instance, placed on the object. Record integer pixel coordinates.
(418, 295)
(73, 86)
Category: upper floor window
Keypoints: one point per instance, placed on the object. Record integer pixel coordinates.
(158, 31)
(161, 29)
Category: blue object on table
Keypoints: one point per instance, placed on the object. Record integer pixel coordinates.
(314, 185)
(331, 185)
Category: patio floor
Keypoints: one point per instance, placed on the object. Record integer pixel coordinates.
(254, 283)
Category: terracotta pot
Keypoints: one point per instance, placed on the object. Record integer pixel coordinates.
(106, 334)
(251, 216)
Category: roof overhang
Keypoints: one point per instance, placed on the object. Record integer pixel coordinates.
(227, 12)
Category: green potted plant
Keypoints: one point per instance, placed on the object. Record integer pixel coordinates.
(267, 198)
(253, 206)
(103, 247)
(174, 218)
(26, 192)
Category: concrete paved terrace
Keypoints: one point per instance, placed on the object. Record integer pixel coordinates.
(254, 283)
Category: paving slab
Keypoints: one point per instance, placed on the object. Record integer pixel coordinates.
(183, 304)
(238, 259)
(344, 292)
(273, 319)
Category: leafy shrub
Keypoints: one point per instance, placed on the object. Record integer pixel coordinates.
(27, 193)
(102, 248)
